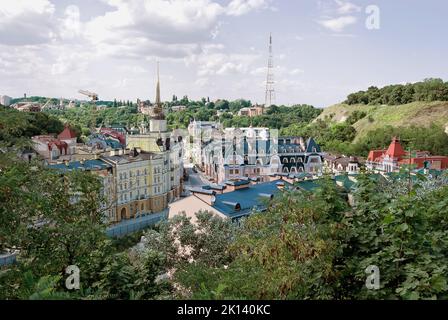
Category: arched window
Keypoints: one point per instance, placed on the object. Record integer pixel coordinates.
(285, 160)
(123, 214)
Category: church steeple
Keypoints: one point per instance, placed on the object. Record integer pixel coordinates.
(158, 108)
(158, 103)
(157, 121)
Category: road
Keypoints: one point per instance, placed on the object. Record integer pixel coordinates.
(195, 180)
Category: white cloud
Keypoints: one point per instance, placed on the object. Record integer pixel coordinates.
(296, 71)
(71, 24)
(24, 22)
(345, 7)
(177, 28)
(338, 24)
(240, 7)
(224, 64)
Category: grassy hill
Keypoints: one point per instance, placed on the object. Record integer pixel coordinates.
(420, 114)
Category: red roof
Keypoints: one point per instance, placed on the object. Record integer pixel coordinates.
(67, 133)
(375, 154)
(395, 149)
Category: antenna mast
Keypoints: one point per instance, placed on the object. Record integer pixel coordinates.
(270, 91)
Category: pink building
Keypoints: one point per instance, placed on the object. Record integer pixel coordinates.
(51, 148)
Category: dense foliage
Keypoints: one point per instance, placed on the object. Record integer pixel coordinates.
(427, 90)
(340, 137)
(89, 117)
(16, 127)
(63, 226)
(315, 246)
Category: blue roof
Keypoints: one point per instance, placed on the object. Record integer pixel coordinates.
(214, 187)
(247, 198)
(312, 144)
(76, 165)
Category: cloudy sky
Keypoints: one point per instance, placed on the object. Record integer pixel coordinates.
(323, 49)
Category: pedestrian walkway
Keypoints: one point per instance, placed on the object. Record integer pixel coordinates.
(132, 225)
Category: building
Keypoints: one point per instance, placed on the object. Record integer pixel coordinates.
(49, 147)
(139, 183)
(296, 155)
(178, 108)
(135, 183)
(256, 110)
(53, 148)
(5, 100)
(392, 159)
(200, 133)
(105, 172)
(98, 141)
(342, 164)
(241, 153)
(165, 145)
(27, 106)
(237, 198)
(257, 153)
(68, 136)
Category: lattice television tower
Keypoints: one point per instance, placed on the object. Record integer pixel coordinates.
(270, 91)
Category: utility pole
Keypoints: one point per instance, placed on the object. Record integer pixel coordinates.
(270, 92)
(409, 164)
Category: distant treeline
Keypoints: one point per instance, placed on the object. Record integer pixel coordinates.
(427, 90)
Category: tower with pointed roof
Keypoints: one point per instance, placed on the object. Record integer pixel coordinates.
(158, 122)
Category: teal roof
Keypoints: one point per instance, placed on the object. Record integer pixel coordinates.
(114, 144)
(346, 182)
(248, 199)
(307, 185)
(432, 172)
(237, 182)
(87, 165)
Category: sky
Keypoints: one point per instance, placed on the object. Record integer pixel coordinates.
(323, 49)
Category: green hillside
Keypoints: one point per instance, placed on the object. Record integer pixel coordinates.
(420, 114)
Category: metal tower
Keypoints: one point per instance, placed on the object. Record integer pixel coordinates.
(270, 91)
